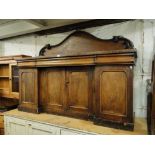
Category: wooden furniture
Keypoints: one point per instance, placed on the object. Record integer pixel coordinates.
(18, 122)
(1, 123)
(151, 102)
(84, 77)
(9, 81)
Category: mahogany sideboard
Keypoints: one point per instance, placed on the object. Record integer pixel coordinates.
(84, 77)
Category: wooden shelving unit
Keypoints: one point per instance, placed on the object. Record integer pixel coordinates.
(9, 80)
(4, 80)
(9, 85)
(4, 76)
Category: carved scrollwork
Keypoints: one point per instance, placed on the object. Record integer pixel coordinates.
(85, 42)
(42, 51)
(126, 42)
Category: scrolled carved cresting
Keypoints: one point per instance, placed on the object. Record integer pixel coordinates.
(80, 42)
(126, 42)
(42, 51)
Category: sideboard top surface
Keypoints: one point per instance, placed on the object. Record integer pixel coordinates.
(13, 57)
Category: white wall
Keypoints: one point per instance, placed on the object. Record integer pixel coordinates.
(140, 32)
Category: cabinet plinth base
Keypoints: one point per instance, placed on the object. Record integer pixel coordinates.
(8, 103)
(27, 109)
(112, 124)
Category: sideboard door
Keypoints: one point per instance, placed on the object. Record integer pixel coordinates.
(28, 88)
(80, 93)
(52, 90)
(113, 89)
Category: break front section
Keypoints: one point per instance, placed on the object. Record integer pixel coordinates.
(83, 77)
(114, 96)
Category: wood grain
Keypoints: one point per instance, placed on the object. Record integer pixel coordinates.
(79, 91)
(82, 42)
(9, 92)
(52, 97)
(83, 77)
(28, 90)
(114, 98)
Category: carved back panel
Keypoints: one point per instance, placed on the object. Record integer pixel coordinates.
(83, 43)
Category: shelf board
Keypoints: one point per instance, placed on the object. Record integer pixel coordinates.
(6, 89)
(1, 76)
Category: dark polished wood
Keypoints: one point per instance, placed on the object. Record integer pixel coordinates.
(114, 98)
(84, 77)
(52, 97)
(151, 109)
(83, 42)
(79, 91)
(68, 90)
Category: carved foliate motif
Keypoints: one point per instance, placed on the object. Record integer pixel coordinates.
(126, 42)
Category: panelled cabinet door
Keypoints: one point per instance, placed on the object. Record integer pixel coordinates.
(52, 90)
(79, 91)
(28, 90)
(113, 86)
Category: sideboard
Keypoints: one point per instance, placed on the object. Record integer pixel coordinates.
(83, 77)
